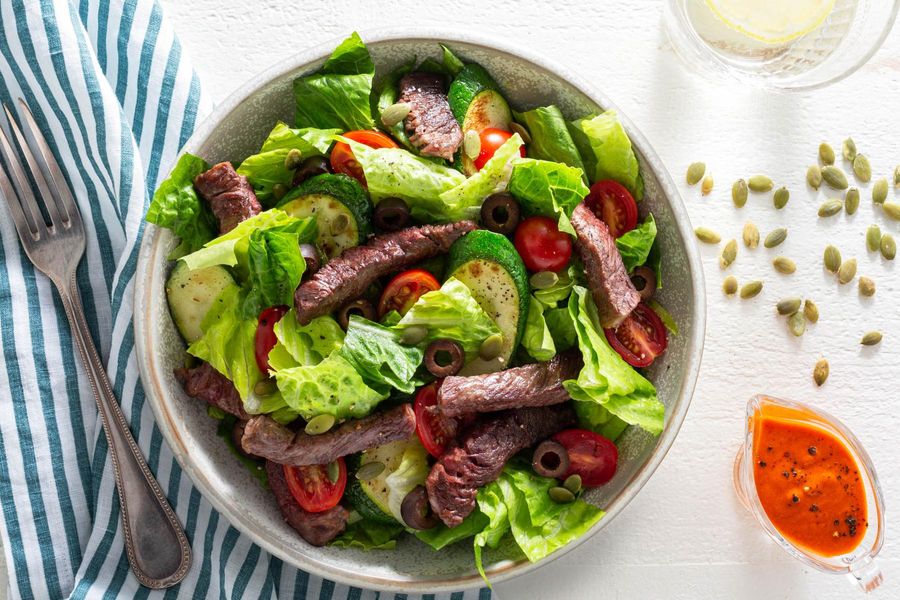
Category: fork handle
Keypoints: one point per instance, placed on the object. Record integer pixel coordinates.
(157, 548)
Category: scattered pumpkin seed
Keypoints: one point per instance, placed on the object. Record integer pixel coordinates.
(847, 271)
(820, 372)
(888, 247)
(760, 183)
(293, 160)
(543, 280)
(814, 176)
(319, 424)
(848, 149)
(897, 176)
(707, 235)
(730, 285)
(751, 289)
(810, 311)
(751, 235)
(472, 144)
(873, 238)
(834, 178)
(573, 483)
(866, 286)
(829, 208)
(265, 387)
(832, 259)
(784, 265)
(729, 253)
(892, 210)
(862, 169)
(395, 113)
(413, 335)
(561, 495)
(370, 470)
(872, 338)
(788, 306)
(491, 347)
(781, 197)
(880, 191)
(775, 238)
(695, 172)
(279, 190)
(797, 324)
(739, 193)
(707, 185)
(520, 129)
(851, 200)
(334, 471)
(826, 153)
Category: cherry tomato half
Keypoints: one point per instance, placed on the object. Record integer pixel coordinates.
(542, 246)
(640, 338)
(311, 487)
(613, 205)
(405, 289)
(265, 335)
(491, 139)
(591, 456)
(432, 429)
(342, 159)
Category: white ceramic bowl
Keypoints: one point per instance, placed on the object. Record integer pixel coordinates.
(235, 130)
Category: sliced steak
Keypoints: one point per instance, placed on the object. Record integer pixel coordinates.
(454, 480)
(207, 384)
(611, 288)
(538, 384)
(265, 437)
(431, 125)
(229, 195)
(349, 275)
(316, 528)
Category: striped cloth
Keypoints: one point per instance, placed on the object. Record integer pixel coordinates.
(110, 86)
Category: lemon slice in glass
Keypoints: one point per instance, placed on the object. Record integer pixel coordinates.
(772, 21)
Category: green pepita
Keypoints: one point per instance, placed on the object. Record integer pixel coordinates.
(695, 172)
(810, 311)
(873, 238)
(880, 191)
(293, 160)
(788, 306)
(829, 208)
(729, 253)
(573, 483)
(739, 192)
(862, 169)
(897, 176)
(751, 289)
(370, 470)
(781, 197)
(872, 338)
(888, 247)
(775, 238)
(826, 153)
(784, 265)
(279, 190)
(814, 176)
(751, 235)
(334, 471)
(395, 113)
(892, 210)
(851, 200)
(848, 149)
(834, 178)
(319, 424)
(760, 183)
(472, 144)
(413, 335)
(543, 280)
(820, 372)
(832, 259)
(491, 347)
(523, 133)
(866, 286)
(707, 185)
(707, 235)
(730, 285)
(265, 387)
(561, 495)
(847, 271)
(797, 324)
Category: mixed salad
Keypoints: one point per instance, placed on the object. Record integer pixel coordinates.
(418, 311)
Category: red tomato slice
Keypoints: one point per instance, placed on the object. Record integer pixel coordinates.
(613, 205)
(542, 246)
(591, 456)
(405, 289)
(265, 335)
(342, 159)
(430, 427)
(311, 487)
(640, 338)
(491, 139)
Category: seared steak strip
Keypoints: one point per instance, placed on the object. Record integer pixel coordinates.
(265, 437)
(454, 480)
(431, 125)
(207, 384)
(538, 384)
(316, 528)
(229, 195)
(349, 275)
(611, 288)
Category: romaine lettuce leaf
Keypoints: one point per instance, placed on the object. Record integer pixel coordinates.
(386, 95)
(274, 267)
(378, 356)
(411, 472)
(493, 177)
(560, 290)
(449, 64)
(304, 345)
(337, 96)
(635, 245)
(368, 535)
(177, 206)
(548, 188)
(550, 137)
(562, 328)
(596, 418)
(536, 339)
(607, 152)
(442, 536)
(606, 379)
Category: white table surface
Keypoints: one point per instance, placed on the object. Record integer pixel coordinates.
(684, 536)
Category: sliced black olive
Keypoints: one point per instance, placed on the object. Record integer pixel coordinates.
(444, 358)
(644, 280)
(391, 214)
(313, 260)
(500, 213)
(312, 166)
(360, 306)
(550, 459)
(416, 511)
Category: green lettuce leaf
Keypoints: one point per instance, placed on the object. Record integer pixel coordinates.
(635, 245)
(177, 206)
(560, 290)
(368, 535)
(548, 188)
(378, 356)
(442, 536)
(387, 94)
(304, 345)
(449, 64)
(562, 328)
(274, 266)
(411, 472)
(493, 177)
(337, 96)
(606, 379)
(550, 137)
(607, 152)
(537, 339)
(596, 418)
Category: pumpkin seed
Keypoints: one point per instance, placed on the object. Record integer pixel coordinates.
(775, 238)
(872, 338)
(751, 235)
(395, 113)
(707, 185)
(472, 144)
(851, 200)
(784, 265)
(523, 133)
(788, 306)
(751, 289)
(370, 470)
(829, 208)
(797, 324)
(832, 259)
(866, 286)
(880, 191)
(760, 183)
(892, 210)
(814, 176)
(561, 495)
(695, 172)
(729, 253)
(810, 311)
(334, 471)
(730, 285)
(279, 190)
(873, 238)
(834, 177)
(897, 176)
(848, 149)
(826, 153)
(413, 335)
(888, 247)
(543, 280)
(293, 160)
(820, 372)
(862, 169)
(265, 387)
(319, 424)
(781, 197)
(573, 483)
(491, 347)
(847, 271)
(707, 236)
(739, 193)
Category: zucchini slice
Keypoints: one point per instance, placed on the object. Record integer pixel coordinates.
(190, 295)
(477, 104)
(372, 496)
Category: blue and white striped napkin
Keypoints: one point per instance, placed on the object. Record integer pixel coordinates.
(109, 84)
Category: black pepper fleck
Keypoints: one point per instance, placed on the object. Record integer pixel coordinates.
(814, 508)
(762, 463)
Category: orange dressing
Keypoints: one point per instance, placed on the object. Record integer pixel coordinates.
(808, 482)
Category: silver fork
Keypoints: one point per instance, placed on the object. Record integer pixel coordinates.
(157, 549)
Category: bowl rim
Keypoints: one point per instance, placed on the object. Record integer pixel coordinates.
(506, 569)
